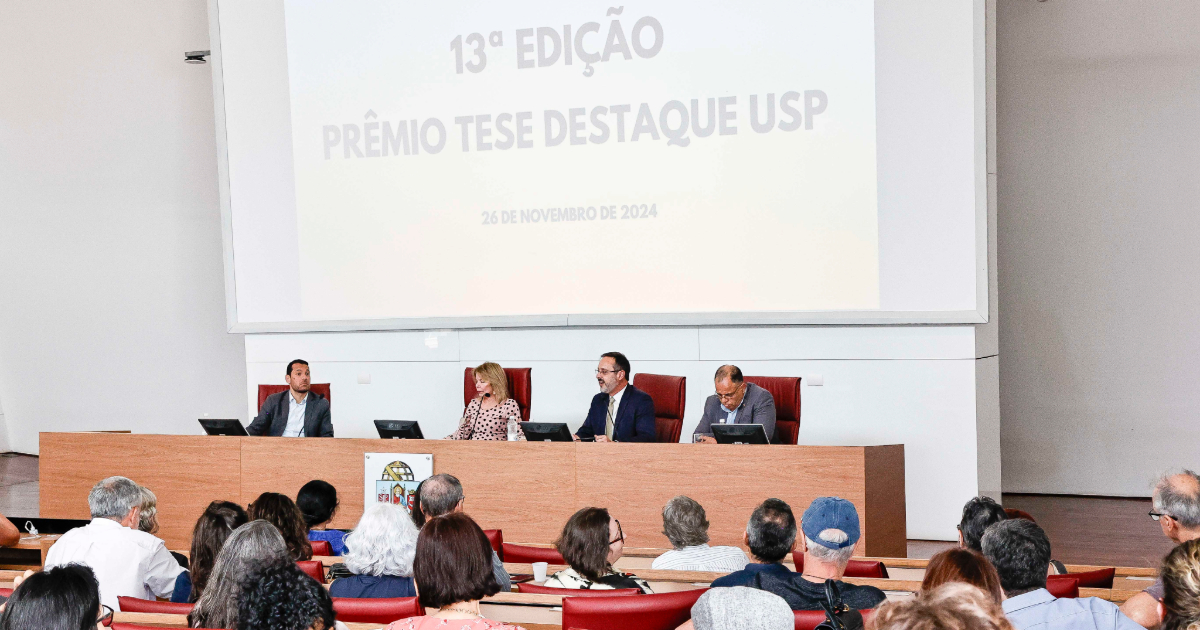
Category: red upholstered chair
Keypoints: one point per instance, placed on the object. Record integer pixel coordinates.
(1063, 586)
(527, 587)
(321, 547)
(380, 610)
(810, 619)
(854, 568)
(496, 538)
(313, 568)
(136, 605)
(660, 611)
(523, 554)
(670, 395)
(6, 592)
(1015, 513)
(134, 626)
(520, 387)
(267, 390)
(1100, 578)
(786, 392)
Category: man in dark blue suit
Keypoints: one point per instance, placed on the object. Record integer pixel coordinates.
(620, 412)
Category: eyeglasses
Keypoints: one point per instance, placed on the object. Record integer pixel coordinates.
(1157, 515)
(620, 533)
(105, 619)
(729, 396)
(600, 371)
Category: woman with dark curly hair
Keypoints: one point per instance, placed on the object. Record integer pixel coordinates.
(208, 536)
(318, 502)
(280, 596)
(66, 597)
(280, 511)
(591, 542)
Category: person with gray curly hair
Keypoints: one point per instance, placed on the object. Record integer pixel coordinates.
(686, 525)
(126, 561)
(1176, 507)
(379, 552)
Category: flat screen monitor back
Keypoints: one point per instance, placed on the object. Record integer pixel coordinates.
(740, 434)
(222, 427)
(399, 429)
(546, 431)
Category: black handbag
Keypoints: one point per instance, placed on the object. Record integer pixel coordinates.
(838, 615)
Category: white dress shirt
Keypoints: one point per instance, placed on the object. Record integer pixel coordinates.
(703, 558)
(126, 561)
(295, 425)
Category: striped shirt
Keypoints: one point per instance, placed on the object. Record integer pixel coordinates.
(702, 558)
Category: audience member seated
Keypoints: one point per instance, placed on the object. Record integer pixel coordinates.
(770, 536)
(126, 561)
(591, 542)
(280, 596)
(250, 546)
(318, 502)
(740, 608)
(1180, 576)
(453, 571)
(442, 494)
(486, 416)
(280, 511)
(212, 529)
(978, 514)
(62, 598)
(686, 525)
(1176, 503)
(380, 554)
(1020, 551)
(966, 566)
(951, 606)
(148, 522)
(9, 534)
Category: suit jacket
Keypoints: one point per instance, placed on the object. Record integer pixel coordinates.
(272, 418)
(758, 407)
(634, 421)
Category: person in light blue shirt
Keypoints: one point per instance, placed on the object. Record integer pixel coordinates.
(1020, 551)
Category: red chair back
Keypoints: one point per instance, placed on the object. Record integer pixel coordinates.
(6, 592)
(496, 538)
(527, 587)
(523, 554)
(1015, 513)
(670, 396)
(786, 392)
(810, 619)
(379, 610)
(313, 568)
(1100, 578)
(660, 611)
(1063, 586)
(134, 626)
(321, 547)
(520, 388)
(854, 568)
(267, 390)
(136, 605)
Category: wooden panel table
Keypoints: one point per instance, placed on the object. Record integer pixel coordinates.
(526, 489)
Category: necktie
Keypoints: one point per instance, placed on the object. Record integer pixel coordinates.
(608, 423)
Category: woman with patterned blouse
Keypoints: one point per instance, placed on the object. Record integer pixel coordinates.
(486, 417)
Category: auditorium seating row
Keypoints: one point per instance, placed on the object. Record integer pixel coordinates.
(668, 392)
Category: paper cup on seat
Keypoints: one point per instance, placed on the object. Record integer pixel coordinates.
(539, 571)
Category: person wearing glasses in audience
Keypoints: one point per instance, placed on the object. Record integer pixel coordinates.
(620, 412)
(486, 416)
(736, 402)
(591, 542)
(1176, 507)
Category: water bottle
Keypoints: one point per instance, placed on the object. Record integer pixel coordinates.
(512, 428)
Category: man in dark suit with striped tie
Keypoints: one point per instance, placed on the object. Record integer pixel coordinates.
(620, 412)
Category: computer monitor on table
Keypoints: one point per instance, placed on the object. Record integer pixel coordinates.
(546, 431)
(740, 434)
(399, 429)
(222, 427)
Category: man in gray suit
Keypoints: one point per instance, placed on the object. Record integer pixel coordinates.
(736, 402)
(296, 411)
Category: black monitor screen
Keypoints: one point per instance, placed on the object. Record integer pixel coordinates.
(399, 429)
(546, 431)
(222, 427)
(739, 434)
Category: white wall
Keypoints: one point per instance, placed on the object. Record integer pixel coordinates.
(912, 385)
(112, 313)
(1099, 155)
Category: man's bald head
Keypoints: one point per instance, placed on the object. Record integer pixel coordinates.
(440, 495)
(1178, 496)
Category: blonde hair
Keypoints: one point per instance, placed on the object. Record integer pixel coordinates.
(951, 606)
(1181, 587)
(493, 374)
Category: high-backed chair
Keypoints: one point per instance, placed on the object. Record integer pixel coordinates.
(526, 587)
(523, 554)
(1063, 586)
(376, 610)
(267, 390)
(520, 387)
(496, 538)
(854, 568)
(138, 605)
(810, 619)
(321, 547)
(670, 395)
(660, 611)
(313, 568)
(786, 392)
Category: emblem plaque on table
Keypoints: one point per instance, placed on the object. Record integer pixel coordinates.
(393, 477)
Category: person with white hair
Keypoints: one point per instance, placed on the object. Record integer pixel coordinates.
(831, 528)
(379, 552)
(126, 561)
(1176, 503)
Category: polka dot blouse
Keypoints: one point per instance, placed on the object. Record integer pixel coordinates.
(488, 424)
